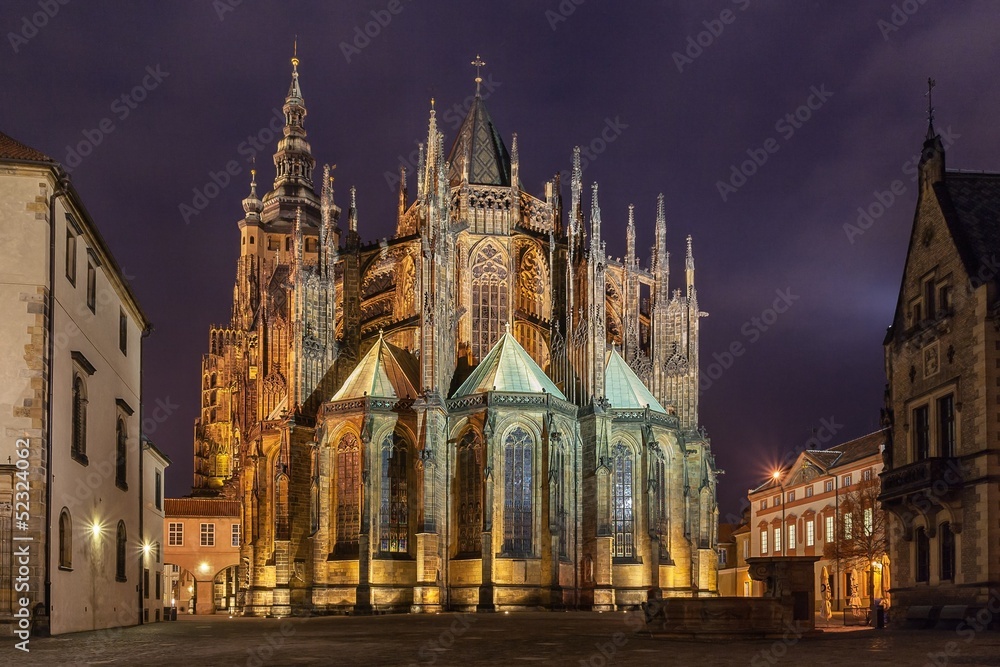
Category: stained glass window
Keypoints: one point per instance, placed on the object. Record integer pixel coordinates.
(470, 494)
(394, 510)
(489, 300)
(517, 484)
(348, 494)
(623, 516)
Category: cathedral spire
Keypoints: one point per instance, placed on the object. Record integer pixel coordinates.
(252, 205)
(514, 162)
(595, 225)
(630, 260)
(689, 267)
(478, 63)
(293, 160)
(352, 214)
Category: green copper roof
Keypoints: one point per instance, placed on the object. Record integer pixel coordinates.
(508, 368)
(623, 388)
(385, 372)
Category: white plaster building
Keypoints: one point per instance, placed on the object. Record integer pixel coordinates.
(71, 334)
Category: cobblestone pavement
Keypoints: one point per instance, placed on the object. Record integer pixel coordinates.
(571, 638)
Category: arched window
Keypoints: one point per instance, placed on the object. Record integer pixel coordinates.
(557, 473)
(282, 526)
(489, 300)
(923, 555)
(314, 491)
(947, 552)
(622, 512)
(517, 484)
(121, 454)
(121, 544)
(348, 495)
(393, 509)
(470, 494)
(65, 540)
(79, 446)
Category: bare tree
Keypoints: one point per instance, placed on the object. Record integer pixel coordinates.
(861, 535)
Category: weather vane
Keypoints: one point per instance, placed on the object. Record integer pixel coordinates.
(478, 63)
(930, 104)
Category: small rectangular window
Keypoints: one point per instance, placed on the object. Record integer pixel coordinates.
(70, 255)
(810, 533)
(175, 534)
(828, 529)
(763, 504)
(91, 287)
(122, 332)
(208, 534)
(946, 425)
(763, 540)
(921, 433)
(929, 296)
(829, 485)
(158, 491)
(791, 496)
(867, 475)
(145, 582)
(777, 501)
(846, 481)
(791, 536)
(777, 540)
(236, 535)
(809, 491)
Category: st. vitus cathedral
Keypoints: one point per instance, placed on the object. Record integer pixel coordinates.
(483, 412)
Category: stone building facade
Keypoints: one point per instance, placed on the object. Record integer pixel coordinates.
(71, 335)
(485, 411)
(942, 355)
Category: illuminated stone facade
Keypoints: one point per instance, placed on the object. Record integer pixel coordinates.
(483, 412)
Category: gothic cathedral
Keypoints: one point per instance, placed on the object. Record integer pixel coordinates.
(483, 412)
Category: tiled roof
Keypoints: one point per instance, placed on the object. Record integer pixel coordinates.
(385, 372)
(837, 455)
(480, 143)
(971, 206)
(623, 388)
(181, 507)
(508, 368)
(12, 149)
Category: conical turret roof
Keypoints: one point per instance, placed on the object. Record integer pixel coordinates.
(479, 144)
(623, 388)
(508, 368)
(386, 371)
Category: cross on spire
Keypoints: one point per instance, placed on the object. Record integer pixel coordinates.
(478, 63)
(295, 54)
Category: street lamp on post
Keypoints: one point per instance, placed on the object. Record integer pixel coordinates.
(776, 475)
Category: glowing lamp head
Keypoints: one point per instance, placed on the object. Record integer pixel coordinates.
(95, 529)
(146, 548)
(776, 475)
(204, 567)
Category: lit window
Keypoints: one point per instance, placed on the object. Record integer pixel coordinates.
(722, 557)
(394, 509)
(810, 533)
(622, 524)
(868, 520)
(777, 540)
(518, 482)
(348, 494)
(791, 535)
(828, 528)
(846, 481)
(867, 475)
(208, 534)
(489, 299)
(829, 485)
(236, 535)
(175, 534)
(470, 494)
(848, 526)
(763, 540)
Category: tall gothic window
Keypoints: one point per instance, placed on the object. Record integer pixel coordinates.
(470, 494)
(923, 555)
(489, 299)
(314, 492)
(517, 486)
(79, 446)
(348, 494)
(947, 552)
(282, 525)
(660, 509)
(557, 473)
(121, 454)
(121, 544)
(623, 516)
(394, 510)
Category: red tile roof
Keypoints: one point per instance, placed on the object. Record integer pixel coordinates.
(12, 149)
(180, 507)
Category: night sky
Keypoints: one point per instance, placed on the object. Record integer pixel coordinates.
(680, 115)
